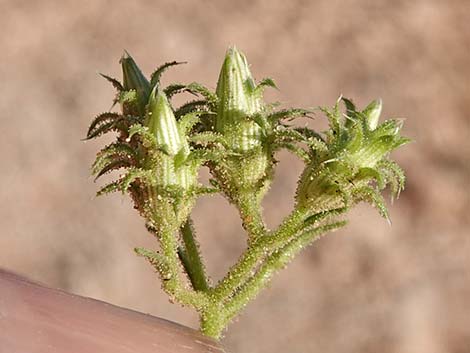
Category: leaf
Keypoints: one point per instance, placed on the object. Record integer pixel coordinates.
(290, 114)
(372, 113)
(115, 164)
(148, 139)
(190, 107)
(145, 176)
(116, 84)
(372, 196)
(205, 138)
(101, 124)
(334, 119)
(114, 156)
(371, 173)
(156, 75)
(289, 135)
(395, 176)
(389, 127)
(109, 188)
(249, 86)
(180, 158)
(356, 139)
(206, 190)
(318, 145)
(321, 216)
(197, 88)
(186, 123)
(158, 261)
(173, 89)
(309, 133)
(201, 156)
(266, 82)
(350, 107)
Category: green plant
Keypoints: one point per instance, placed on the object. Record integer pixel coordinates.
(235, 134)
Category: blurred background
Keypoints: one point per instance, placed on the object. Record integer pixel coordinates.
(367, 288)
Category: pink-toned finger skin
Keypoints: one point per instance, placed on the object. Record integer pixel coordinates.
(37, 319)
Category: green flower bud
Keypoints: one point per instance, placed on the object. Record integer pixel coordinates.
(135, 81)
(353, 154)
(372, 112)
(238, 101)
(162, 123)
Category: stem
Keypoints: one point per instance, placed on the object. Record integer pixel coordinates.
(273, 263)
(168, 263)
(250, 211)
(212, 321)
(260, 247)
(191, 258)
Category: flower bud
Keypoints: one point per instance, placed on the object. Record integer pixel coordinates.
(162, 123)
(238, 101)
(372, 113)
(134, 80)
(351, 157)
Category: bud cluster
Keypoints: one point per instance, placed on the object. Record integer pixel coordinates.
(159, 150)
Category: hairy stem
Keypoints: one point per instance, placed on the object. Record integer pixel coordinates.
(255, 252)
(172, 282)
(190, 257)
(251, 214)
(273, 263)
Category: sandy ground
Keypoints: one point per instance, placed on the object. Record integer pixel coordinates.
(368, 288)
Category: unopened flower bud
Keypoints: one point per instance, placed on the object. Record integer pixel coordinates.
(238, 101)
(133, 79)
(372, 112)
(162, 123)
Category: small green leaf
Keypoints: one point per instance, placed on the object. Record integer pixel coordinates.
(173, 89)
(372, 196)
(109, 188)
(101, 124)
(372, 113)
(158, 261)
(287, 114)
(195, 105)
(116, 84)
(134, 79)
(266, 82)
(156, 75)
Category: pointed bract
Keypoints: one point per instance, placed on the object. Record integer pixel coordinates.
(134, 80)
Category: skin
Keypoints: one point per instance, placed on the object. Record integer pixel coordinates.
(37, 319)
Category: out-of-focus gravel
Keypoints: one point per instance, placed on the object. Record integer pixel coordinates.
(368, 288)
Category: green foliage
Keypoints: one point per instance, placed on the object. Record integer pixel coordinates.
(159, 150)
